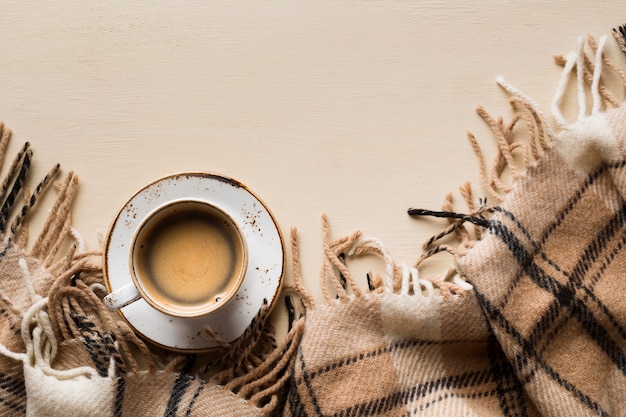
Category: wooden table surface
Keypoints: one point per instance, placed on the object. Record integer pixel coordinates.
(355, 109)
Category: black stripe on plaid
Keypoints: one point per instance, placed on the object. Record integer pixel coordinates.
(11, 319)
(400, 398)
(565, 295)
(576, 277)
(575, 199)
(390, 348)
(536, 251)
(120, 389)
(560, 217)
(101, 346)
(180, 387)
(195, 397)
(9, 245)
(15, 408)
(496, 317)
(587, 289)
(12, 388)
(307, 383)
(294, 403)
(509, 390)
(588, 294)
(12, 385)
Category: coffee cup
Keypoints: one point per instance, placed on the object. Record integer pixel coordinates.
(187, 258)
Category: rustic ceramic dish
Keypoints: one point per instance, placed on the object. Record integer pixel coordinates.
(263, 272)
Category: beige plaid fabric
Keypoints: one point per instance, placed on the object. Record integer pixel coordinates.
(395, 355)
(63, 354)
(68, 357)
(80, 362)
(542, 332)
(550, 273)
(405, 347)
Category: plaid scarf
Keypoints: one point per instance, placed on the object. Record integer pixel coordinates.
(62, 353)
(541, 330)
(407, 346)
(549, 271)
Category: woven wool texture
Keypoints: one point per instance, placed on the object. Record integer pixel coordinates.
(528, 322)
(63, 354)
(549, 275)
(549, 270)
(400, 360)
(541, 332)
(394, 351)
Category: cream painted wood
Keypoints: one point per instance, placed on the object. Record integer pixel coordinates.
(355, 109)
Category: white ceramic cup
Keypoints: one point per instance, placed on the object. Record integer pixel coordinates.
(188, 258)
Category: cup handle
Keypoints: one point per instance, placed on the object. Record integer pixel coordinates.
(122, 297)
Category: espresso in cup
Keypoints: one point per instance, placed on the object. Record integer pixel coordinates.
(188, 258)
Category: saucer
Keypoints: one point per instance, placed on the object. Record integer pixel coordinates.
(263, 277)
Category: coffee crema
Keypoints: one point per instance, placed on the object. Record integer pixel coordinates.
(187, 257)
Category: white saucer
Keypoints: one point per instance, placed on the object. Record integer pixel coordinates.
(266, 260)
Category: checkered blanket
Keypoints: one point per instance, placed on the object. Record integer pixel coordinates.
(407, 346)
(393, 355)
(548, 273)
(63, 354)
(541, 331)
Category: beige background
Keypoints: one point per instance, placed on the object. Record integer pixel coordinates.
(358, 109)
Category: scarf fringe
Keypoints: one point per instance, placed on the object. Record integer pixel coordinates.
(589, 62)
(338, 284)
(253, 367)
(519, 151)
(28, 272)
(14, 218)
(67, 332)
